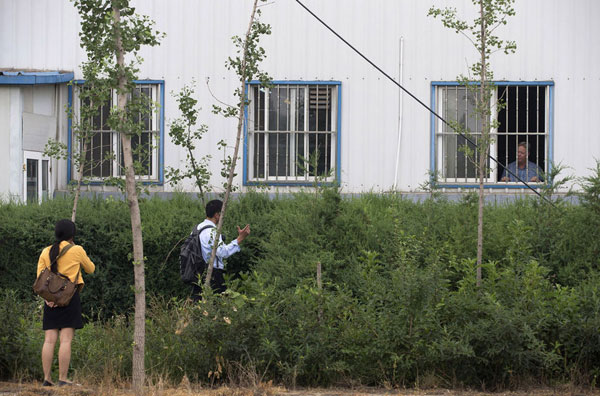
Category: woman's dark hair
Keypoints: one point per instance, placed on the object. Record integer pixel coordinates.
(63, 231)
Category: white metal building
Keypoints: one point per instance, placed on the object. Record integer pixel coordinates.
(327, 103)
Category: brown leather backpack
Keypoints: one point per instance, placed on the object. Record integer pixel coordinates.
(54, 286)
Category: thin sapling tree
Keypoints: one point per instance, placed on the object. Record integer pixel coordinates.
(492, 14)
(246, 67)
(183, 133)
(110, 31)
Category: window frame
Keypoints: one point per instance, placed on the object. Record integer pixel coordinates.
(435, 122)
(41, 160)
(334, 150)
(145, 180)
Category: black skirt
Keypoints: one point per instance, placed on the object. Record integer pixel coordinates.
(63, 317)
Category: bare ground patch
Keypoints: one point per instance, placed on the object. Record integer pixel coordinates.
(35, 389)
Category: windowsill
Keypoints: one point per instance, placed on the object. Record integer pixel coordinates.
(498, 185)
(103, 183)
(289, 183)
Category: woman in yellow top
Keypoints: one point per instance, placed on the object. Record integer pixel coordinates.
(62, 320)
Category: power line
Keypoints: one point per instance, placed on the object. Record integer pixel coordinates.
(418, 100)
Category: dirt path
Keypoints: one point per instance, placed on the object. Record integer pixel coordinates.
(35, 389)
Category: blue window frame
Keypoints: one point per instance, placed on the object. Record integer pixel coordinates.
(292, 133)
(104, 156)
(525, 119)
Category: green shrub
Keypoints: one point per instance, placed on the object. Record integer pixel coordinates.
(398, 303)
(21, 337)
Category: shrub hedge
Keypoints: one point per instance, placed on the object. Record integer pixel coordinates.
(398, 304)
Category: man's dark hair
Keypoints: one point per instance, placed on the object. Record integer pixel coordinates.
(213, 207)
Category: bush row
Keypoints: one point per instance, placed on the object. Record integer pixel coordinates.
(397, 305)
(406, 327)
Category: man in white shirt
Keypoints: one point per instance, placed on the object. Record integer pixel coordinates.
(207, 235)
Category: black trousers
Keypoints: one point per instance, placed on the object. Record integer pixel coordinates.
(217, 283)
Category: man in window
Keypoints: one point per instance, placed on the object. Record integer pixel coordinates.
(522, 167)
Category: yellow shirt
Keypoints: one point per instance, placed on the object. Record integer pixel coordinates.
(69, 263)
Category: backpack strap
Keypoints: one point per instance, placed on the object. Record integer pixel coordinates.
(199, 232)
(204, 228)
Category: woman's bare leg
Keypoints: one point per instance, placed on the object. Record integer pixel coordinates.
(64, 352)
(50, 337)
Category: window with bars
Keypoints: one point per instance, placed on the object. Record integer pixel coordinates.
(523, 118)
(104, 156)
(292, 133)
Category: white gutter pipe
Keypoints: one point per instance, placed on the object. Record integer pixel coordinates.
(400, 103)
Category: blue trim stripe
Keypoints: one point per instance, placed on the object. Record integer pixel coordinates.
(338, 170)
(550, 128)
(338, 166)
(287, 184)
(161, 142)
(432, 149)
(298, 82)
(245, 131)
(34, 78)
(497, 83)
(69, 131)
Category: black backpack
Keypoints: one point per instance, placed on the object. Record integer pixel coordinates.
(191, 262)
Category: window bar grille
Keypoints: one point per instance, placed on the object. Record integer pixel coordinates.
(296, 152)
(477, 138)
(287, 135)
(527, 129)
(100, 161)
(264, 138)
(456, 136)
(261, 153)
(441, 128)
(506, 135)
(517, 124)
(466, 129)
(267, 133)
(287, 102)
(297, 130)
(316, 160)
(537, 136)
(287, 156)
(150, 133)
(537, 117)
(444, 164)
(257, 154)
(276, 134)
(305, 130)
(327, 120)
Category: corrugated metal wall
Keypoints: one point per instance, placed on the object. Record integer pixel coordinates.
(557, 40)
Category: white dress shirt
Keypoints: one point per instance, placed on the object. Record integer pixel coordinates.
(206, 241)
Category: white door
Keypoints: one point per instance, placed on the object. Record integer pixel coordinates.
(37, 177)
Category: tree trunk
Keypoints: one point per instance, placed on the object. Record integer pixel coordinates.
(139, 332)
(235, 151)
(195, 170)
(484, 142)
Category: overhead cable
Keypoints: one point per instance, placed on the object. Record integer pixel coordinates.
(419, 101)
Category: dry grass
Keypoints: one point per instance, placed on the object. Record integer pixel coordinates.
(187, 389)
